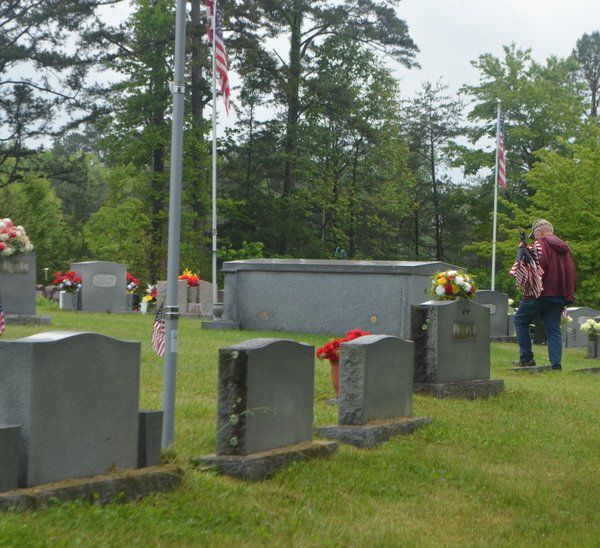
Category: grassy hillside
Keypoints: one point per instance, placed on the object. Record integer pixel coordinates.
(519, 469)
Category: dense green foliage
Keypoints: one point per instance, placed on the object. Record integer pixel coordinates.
(515, 470)
(327, 152)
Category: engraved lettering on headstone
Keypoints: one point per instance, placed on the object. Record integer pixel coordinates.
(492, 308)
(104, 280)
(464, 330)
(14, 267)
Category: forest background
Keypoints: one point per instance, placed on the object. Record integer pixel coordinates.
(342, 160)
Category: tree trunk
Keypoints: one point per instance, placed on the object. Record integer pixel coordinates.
(291, 128)
(436, 205)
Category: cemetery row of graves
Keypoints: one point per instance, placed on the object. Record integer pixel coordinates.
(75, 423)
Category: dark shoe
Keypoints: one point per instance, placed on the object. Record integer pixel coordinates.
(525, 364)
(557, 368)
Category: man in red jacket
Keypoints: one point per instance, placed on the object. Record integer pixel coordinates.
(558, 283)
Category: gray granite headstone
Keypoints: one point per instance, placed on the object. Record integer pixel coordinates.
(10, 439)
(497, 303)
(75, 396)
(573, 337)
(17, 284)
(103, 286)
(265, 396)
(182, 295)
(452, 347)
(265, 409)
(376, 386)
(375, 379)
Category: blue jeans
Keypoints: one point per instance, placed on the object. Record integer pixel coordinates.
(550, 310)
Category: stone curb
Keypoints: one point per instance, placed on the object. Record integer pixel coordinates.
(259, 466)
(532, 369)
(123, 486)
(469, 390)
(588, 370)
(373, 433)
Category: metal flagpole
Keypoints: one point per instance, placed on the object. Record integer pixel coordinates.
(214, 156)
(171, 309)
(493, 284)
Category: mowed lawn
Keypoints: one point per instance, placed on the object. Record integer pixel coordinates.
(519, 469)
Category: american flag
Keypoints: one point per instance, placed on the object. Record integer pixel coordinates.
(220, 51)
(2, 322)
(158, 332)
(501, 153)
(527, 270)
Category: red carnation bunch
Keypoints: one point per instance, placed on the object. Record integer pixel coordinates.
(331, 350)
(67, 281)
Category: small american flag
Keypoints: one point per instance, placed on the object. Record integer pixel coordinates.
(527, 270)
(501, 153)
(2, 322)
(158, 332)
(220, 51)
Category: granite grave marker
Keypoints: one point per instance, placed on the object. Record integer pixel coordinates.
(452, 349)
(376, 386)
(265, 408)
(103, 286)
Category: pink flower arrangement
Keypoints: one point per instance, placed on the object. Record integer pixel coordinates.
(13, 239)
(331, 350)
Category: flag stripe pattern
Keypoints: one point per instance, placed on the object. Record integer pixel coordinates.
(527, 270)
(501, 154)
(220, 51)
(158, 332)
(2, 321)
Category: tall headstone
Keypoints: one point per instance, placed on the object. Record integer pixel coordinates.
(497, 303)
(17, 289)
(75, 397)
(265, 407)
(452, 349)
(376, 386)
(103, 286)
(573, 337)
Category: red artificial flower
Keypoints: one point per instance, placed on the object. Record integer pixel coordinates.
(331, 350)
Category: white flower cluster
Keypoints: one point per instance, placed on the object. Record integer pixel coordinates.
(591, 327)
(13, 239)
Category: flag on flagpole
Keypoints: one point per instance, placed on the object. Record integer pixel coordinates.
(2, 321)
(220, 51)
(501, 153)
(158, 332)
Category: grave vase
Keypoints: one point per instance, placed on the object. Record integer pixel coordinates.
(67, 300)
(144, 306)
(593, 350)
(129, 301)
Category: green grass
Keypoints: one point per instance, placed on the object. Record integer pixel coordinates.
(520, 469)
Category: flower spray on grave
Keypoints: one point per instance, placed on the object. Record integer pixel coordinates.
(193, 280)
(132, 284)
(450, 285)
(67, 281)
(590, 327)
(13, 239)
(331, 351)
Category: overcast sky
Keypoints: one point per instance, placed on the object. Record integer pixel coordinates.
(451, 33)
